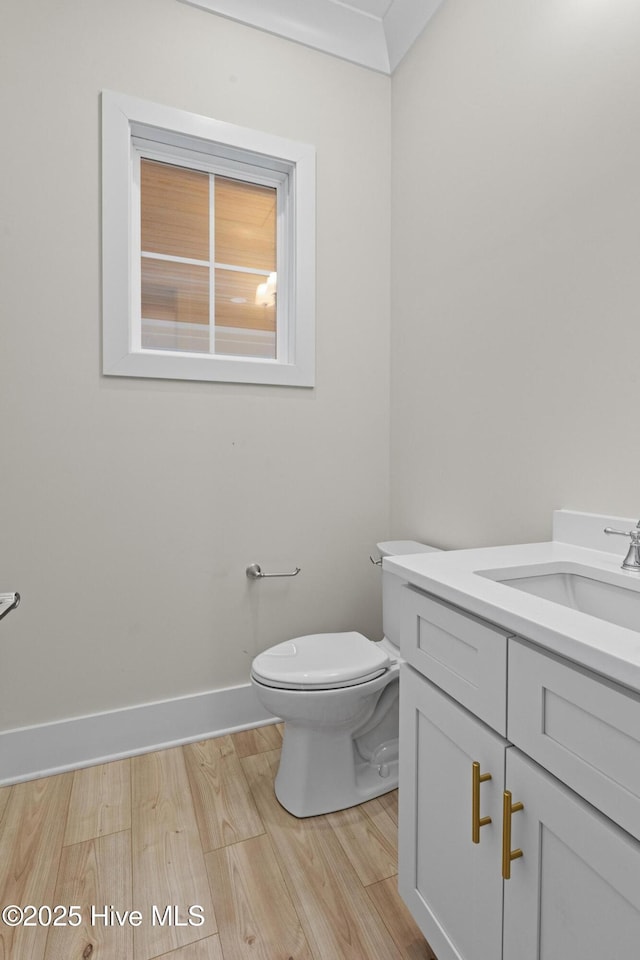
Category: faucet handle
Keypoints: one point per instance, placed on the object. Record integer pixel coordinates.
(634, 534)
(632, 560)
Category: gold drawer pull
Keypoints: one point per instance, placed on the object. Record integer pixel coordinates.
(508, 807)
(476, 821)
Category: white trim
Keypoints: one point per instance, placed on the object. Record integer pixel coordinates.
(174, 154)
(134, 293)
(338, 28)
(212, 264)
(39, 751)
(279, 161)
(285, 328)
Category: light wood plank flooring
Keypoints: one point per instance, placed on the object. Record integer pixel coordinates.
(185, 854)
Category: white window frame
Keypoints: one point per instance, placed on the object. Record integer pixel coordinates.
(132, 128)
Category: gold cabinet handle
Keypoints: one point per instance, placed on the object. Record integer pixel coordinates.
(476, 821)
(508, 807)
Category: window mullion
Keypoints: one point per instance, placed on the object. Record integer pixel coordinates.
(170, 258)
(254, 271)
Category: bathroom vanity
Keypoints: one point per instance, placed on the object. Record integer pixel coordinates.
(520, 749)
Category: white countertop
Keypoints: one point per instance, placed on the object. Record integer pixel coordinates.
(610, 650)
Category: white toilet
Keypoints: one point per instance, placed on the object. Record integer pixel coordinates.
(338, 696)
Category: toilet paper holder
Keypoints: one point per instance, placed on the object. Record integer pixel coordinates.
(8, 602)
(254, 572)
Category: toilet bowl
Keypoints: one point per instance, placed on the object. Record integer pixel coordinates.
(338, 696)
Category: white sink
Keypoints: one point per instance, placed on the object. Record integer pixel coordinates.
(567, 595)
(616, 602)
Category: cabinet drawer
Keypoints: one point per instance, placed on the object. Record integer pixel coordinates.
(464, 656)
(584, 729)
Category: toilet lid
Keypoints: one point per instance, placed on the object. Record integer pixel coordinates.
(322, 660)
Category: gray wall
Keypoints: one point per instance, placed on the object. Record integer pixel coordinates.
(516, 269)
(130, 508)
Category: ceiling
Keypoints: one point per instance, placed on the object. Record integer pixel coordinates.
(371, 33)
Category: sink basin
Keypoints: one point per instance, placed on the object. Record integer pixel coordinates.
(614, 602)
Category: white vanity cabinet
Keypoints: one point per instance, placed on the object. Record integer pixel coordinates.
(574, 887)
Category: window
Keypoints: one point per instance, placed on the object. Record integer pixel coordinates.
(208, 248)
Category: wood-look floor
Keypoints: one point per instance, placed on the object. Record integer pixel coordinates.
(198, 827)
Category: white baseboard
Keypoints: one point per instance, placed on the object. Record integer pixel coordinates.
(39, 751)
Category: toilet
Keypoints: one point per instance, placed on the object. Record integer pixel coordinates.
(338, 696)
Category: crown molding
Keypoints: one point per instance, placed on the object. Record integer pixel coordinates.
(346, 30)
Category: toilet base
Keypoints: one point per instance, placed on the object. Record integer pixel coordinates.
(302, 785)
(340, 745)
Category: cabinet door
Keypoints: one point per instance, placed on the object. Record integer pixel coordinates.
(452, 885)
(575, 892)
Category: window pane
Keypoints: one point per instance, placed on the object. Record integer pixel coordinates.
(245, 224)
(175, 306)
(175, 210)
(244, 328)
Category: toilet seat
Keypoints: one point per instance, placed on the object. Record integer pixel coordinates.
(321, 661)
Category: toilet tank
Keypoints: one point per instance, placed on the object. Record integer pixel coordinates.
(392, 585)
